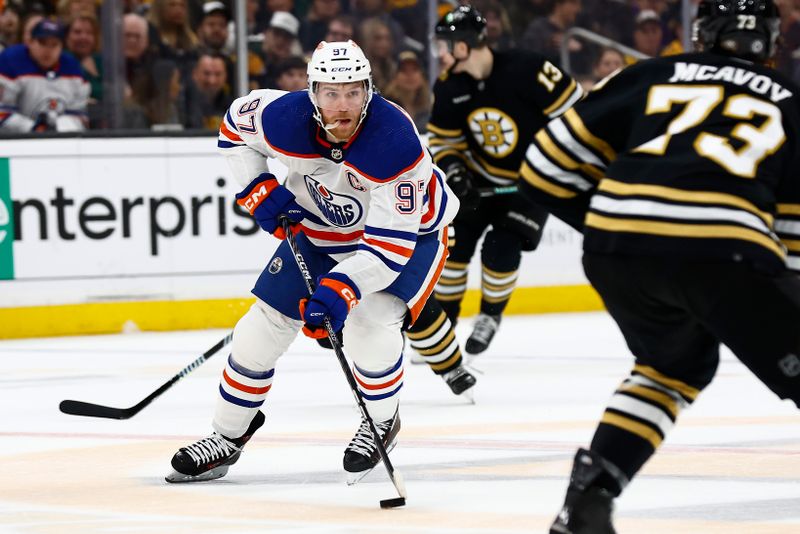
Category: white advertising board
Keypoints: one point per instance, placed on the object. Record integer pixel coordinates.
(98, 220)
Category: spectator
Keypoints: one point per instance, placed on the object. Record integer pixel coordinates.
(376, 9)
(280, 42)
(409, 88)
(211, 94)
(608, 61)
(30, 20)
(171, 32)
(545, 34)
(319, 17)
(41, 87)
(153, 102)
(647, 35)
(340, 29)
(376, 41)
(212, 32)
(290, 75)
(68, 9)
(82, 41)
(498, 27)
(9, 27)
(136, 48)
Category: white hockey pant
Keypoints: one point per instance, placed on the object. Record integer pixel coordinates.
(374, 343)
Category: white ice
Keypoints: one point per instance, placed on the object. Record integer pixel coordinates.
(731, 465)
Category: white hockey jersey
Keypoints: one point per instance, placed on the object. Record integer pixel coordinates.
(367, 199)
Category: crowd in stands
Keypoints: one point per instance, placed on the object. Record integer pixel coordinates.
(180, 55)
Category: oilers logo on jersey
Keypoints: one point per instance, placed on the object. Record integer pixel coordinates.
(340, 210)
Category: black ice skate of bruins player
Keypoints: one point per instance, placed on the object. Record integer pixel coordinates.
(691, 236)
(487, 106)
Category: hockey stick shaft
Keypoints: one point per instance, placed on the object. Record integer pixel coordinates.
(88, 409)
(337, 349)
(499, 190)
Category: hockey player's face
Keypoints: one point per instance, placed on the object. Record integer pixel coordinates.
(340, 105)
(45, 52)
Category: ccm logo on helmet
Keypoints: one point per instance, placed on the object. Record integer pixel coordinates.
(341, 69)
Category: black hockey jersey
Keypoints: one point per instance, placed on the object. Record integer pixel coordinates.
(693, 155)
(489, 123)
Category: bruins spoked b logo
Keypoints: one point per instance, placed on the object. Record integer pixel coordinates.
(494, 130)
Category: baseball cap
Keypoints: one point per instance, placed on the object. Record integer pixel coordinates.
(283, 20)
(47, 28)
(216, 7)
(647, 15)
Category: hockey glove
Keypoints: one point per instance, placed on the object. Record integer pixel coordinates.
(45, 122)
(462, 184)
(267, 200)
(335, 296)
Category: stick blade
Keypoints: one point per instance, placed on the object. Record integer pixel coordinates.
(393, 503)
(87, 409)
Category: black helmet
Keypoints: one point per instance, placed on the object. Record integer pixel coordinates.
(464, 23)
(747, 29)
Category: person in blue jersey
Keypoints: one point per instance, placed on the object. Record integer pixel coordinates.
(41, 86)
(371, 213)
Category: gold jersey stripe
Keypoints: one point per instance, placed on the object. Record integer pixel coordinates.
(700, 231)
(792, 244)
(683, 388)
(444, 132)
(447, 363)
(682, 195)
(440, 346)
(438, 156)
(430, 330)
(530, 176)
(588, 137)
(788, 209)
(445, 143)
(496, 171)
(495, 287)
(561, 99)
(634, 427)
(547, 146)
(664, 400)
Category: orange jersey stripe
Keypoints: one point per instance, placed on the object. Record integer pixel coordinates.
(397, 249)
(415, 311)
(223, 129)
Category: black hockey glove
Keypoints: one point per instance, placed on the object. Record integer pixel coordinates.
(462, 184)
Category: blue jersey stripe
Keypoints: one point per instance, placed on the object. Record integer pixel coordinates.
(244, 371)
(385, 232)
(237, 401)
(389, 263)
(380, 397)
(226, 144)
(343, 249)
(380, 374)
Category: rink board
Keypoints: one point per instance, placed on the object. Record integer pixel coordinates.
(100, 235)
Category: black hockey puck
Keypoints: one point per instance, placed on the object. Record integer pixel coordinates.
(393, 503)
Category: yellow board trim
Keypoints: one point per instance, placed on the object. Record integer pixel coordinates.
(116, 317)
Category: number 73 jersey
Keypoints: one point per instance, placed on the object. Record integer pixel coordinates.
(693, 155)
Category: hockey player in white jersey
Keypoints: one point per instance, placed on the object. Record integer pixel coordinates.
(371, 214)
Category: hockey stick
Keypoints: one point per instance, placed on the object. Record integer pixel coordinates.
(395, 476)
(88, 409)
(498, 190)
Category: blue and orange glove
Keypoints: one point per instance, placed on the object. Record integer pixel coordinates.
(335, 296)
(266, 200)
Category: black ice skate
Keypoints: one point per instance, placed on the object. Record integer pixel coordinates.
(210, 458)
(460, 381)
(361, 456)
(587, 508)
(482, 334)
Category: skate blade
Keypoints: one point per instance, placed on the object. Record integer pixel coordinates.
(355, 478)
(177, 478)
(468, 395)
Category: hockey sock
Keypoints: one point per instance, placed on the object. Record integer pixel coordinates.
(242, 391)
(637, 419)
(380, 389)
(433, 337)
(451, 287)
(501, 255)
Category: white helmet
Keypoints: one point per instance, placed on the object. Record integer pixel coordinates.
(338, 62)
